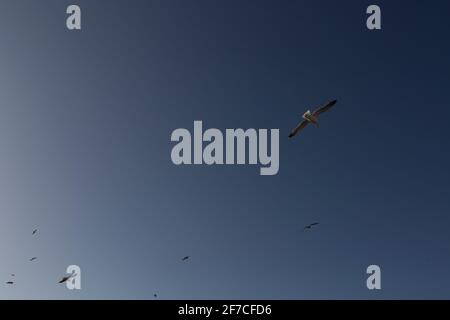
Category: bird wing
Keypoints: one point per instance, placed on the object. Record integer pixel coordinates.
(299, 127)
(314, 224)
(324, 108)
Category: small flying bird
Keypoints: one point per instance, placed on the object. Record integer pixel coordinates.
(34, 232)
(309, 117)
(185, 258)
(155, 295)
(311, 225)
(13, 275)
(10, 282)
(34, 258)
(67, 278)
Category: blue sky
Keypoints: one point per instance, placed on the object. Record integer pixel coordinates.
(85, 124)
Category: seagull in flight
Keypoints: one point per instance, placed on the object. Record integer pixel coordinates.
(309, 117)
(67, 278)
(185, 258)
(34, 258)
(34, 232)
(308, 227)
(11, 282)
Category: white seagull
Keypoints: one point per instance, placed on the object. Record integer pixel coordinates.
(309, 117)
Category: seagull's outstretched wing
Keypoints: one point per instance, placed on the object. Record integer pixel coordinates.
(324, 108)
(67, 278)
(298, 128)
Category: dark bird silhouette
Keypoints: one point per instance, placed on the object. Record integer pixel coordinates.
(311, 225)
(34, 258)
(185, 258)
(10, 282)
(155, 295)
(13, 275)
(64, 279)
(309, 117)
(34, 232)
(67, 278)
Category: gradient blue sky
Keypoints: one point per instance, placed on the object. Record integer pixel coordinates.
(85, 124)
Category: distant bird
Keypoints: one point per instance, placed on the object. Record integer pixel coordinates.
(10, 282)
(66, 278)
(13, 275)
(34, 232)
(311, 225)
(185, 258)
(155, 295)
(34, 258)
(309, 117)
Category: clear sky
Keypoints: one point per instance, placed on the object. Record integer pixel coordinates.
(85, 125)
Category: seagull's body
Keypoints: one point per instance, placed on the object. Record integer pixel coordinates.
(34, 258)
(311, 225)
(311, 117)
(10, 282)
(185, 258)
(34, 232)
(64, 279)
